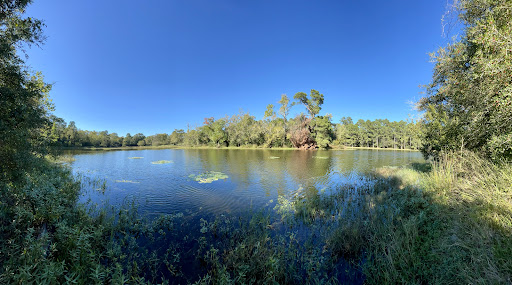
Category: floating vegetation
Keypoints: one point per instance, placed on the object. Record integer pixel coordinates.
(274, 157)
(321, 157)
(208, 176)
(126, 181)
(135, 157)
(161, 162)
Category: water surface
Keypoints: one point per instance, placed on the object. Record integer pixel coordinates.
(255, 177)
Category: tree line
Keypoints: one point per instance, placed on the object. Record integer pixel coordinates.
(276, 129)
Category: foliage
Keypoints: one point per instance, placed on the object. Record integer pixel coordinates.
(323, 132)
(468, 102)
(313, 103)
(24, 102)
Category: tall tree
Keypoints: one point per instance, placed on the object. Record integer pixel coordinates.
(24, 103)
(468, 102)
(313, 103)
(284, 111)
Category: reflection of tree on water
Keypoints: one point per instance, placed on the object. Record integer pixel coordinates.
(305, 165)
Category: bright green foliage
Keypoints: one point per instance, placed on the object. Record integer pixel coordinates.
(177, 137)
(378, 133)
(244, 129)
(269, 112)
(469, 101)
(215, 131)
(284, 110)
(323, 132)
(313, 103)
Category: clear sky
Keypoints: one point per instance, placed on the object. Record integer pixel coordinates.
(153, 66)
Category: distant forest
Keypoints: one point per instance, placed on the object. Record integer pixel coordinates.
(305, 131)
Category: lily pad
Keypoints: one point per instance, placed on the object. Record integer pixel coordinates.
(161, 162)
(208, 176)
(135, 157)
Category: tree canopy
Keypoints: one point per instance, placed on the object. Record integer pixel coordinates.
(468, 102)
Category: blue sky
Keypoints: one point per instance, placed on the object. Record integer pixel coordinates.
(153, 66)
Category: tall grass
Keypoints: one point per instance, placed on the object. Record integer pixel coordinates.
(452, 225)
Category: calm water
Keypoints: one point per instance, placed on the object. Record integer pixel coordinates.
(255, 177)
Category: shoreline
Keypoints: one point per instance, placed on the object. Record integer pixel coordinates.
(334, 147)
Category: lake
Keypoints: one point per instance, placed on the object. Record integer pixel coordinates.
(251, 179)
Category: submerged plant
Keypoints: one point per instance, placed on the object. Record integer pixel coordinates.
(162, 162)
(126, 181)
(208, 176)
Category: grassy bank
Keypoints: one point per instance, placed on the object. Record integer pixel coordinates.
(450, 222)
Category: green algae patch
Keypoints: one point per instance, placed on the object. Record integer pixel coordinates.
(162, 162)
(208, 176)
(135, 157)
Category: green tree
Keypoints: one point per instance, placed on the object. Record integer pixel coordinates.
(312, 103)
(323, 132)
(177, 137)
(284, 111)
(24, 102)
(468, 102)
(128, 140)
(137, 138)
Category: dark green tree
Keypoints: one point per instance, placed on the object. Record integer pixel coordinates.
(468, 102)
(24, 103)
(127, 140)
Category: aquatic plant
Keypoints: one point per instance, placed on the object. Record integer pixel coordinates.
(162, 162)
(135, 157)
(208, 176)
(274, 157)
(126, 181)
